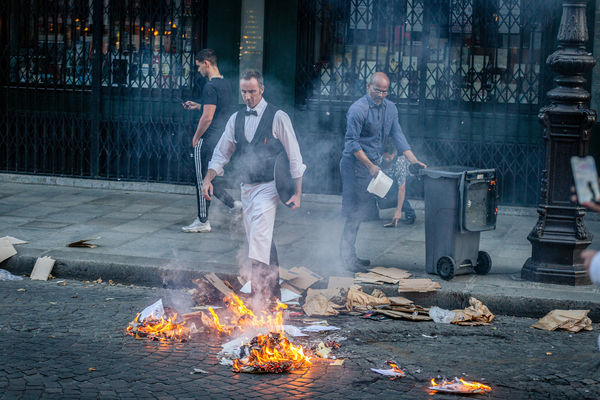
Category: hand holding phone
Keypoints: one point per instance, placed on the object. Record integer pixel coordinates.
(586, 179)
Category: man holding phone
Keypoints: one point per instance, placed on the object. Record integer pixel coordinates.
(216, 109)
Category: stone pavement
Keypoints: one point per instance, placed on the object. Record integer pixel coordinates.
(66, 340)
(139, 238)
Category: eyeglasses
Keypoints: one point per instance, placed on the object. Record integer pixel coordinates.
(379, 91)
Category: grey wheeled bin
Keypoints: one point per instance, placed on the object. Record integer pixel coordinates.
(460, 202)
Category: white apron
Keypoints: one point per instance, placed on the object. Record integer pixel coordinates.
(260, 204)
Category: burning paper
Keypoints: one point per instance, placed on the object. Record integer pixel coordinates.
(568, 320)
(270, 353)
(155, 310)
(395, 371)
(459, 385)
(170, 329)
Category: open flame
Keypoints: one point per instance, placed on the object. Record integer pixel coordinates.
(159, 329)
(272, 353)
(396, 368)
(459, 385)
(239, 317)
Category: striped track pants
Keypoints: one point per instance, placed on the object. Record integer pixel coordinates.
(203, 204)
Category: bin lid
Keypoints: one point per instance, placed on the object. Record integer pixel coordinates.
(451, 171)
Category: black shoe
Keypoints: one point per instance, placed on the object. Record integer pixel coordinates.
(363, 262)
(410, 219)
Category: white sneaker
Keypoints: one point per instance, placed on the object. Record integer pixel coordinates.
(197, 226)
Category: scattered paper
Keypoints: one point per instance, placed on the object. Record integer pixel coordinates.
(338, 362)
(459, 386)
(84, 243)
(340, 282)
(305, 278)
(6, 249)
(319, 305)
(567, 320)
(156, 310)
(319, 328)
(399, 301)
(417, 285)
(396, 273)
(42, 268)
(218, 283)
(329, 293)
(322, 350)
(411, 312)
(288, 295)
(388, 372)
(475, 314)
(14, 240)
(441, 316)
(372, 277)
(357, 299)
(247, 288)
(198, 371)
(293, 331)
(7, 276)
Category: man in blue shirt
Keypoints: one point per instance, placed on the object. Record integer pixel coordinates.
(370, 121)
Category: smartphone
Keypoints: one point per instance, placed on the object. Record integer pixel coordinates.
(586, 179)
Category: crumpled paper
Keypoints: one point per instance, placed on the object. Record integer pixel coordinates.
(567, 320)
(319, 305)
(476, 314)
(361, 301)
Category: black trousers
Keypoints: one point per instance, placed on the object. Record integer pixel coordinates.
(202, 155)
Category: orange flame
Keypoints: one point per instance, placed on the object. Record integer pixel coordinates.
(459, 385)
(272, 352)
(396, 368)
(239, 316)
(158, 329)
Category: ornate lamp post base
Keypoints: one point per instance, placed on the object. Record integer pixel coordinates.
(560, 235)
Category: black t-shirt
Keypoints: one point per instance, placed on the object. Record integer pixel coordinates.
(217, 91)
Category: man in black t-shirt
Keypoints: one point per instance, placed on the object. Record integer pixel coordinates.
(216, 109)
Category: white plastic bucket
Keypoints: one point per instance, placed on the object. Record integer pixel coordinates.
(380, 185)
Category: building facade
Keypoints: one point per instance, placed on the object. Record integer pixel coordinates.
(92, 88)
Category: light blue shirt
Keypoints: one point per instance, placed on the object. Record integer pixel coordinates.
(368, 127)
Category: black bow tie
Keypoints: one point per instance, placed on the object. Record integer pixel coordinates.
(251, 112)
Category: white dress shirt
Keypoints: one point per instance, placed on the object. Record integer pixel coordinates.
(282, 130)
(259, 200)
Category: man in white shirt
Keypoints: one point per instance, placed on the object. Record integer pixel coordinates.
(257, 135)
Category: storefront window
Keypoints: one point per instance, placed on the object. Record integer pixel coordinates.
(482, 51)
(145, 43)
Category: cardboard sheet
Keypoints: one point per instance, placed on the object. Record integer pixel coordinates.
(372, 277)
(218, 283)
(396, 273)
(42, 268)
(361, 301)
(567, 320)
(305, 278)
(319, 305)
(417, 285)
(6, 249)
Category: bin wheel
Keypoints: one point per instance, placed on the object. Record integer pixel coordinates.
(484, 263)
(445, 267)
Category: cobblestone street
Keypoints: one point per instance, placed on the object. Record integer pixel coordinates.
(68, 341)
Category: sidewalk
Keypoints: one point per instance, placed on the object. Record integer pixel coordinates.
(140, 241)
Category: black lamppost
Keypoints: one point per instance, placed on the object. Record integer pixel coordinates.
(560, 234)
